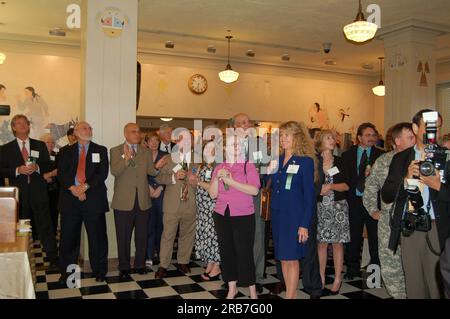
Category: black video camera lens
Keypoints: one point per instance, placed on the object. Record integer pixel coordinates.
(426, 168)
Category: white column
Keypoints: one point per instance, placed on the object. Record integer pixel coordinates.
(108, 84)
(410, 69)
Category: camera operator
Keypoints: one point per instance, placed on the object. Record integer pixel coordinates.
(422, 235)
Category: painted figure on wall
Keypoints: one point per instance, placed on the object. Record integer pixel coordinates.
(345, 124)
(318, 117)
(35, 108)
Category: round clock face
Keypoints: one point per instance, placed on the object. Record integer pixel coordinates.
(198, 84)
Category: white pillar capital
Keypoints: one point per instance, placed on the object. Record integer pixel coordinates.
(410, 68)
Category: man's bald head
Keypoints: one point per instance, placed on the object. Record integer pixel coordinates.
(241, 120)
(132, 133)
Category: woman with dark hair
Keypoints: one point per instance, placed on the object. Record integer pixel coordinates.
(156, 191)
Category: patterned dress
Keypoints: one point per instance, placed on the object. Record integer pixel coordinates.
(206, 245)
(333, 226)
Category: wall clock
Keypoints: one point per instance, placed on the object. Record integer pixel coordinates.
(198, 84)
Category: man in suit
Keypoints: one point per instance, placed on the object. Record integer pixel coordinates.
(179, 208)
(358, 161)
(24, 162)
(130, 165)
(165, 135)
(420, 250)
(82, 171)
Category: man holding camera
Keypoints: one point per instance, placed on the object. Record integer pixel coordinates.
(421, 217)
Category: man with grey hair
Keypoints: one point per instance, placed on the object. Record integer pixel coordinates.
(24, 163)
(165, 135)
(82, 171)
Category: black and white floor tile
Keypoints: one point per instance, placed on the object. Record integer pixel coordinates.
(178, 285)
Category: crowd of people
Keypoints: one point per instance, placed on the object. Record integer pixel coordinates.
(165, 191)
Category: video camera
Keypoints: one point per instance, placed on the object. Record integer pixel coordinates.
(437, 156)
(416, 218)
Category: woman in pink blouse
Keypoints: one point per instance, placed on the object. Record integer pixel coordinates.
(233, 184)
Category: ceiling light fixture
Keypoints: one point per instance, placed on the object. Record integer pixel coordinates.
(166, 119)
(228, 75)
(360, 30)
(285, 57)
(380, 89)
(2, 57)
(169, 44)
(58, 32)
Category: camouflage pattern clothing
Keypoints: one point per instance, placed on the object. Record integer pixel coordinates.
(391, 264)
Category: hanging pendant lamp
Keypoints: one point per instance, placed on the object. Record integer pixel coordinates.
(380, 89)
(228, 75)
(360, 30)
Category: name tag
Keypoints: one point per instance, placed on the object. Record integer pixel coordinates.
(293, 169)
(177, 168)
(52, 158)
(333, 171)
(34, 154)
(257, 155)
(208, 174)
(95, 158)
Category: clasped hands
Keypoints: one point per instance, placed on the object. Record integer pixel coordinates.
(225, 176)
(192, 178)
(27, 169)
(79, 191)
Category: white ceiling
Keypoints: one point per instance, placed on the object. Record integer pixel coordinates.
(269, 27)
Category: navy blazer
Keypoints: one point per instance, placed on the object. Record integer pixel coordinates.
(300, 200)
(96, 174)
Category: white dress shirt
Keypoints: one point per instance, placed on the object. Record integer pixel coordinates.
(163, 146)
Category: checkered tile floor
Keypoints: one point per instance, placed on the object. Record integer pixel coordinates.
(178, 285)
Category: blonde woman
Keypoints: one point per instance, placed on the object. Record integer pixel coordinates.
(293, 200)
(332, 208)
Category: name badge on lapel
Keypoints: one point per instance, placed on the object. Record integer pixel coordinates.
(34, 154)
(293, 169)
(95, 158)
(208, 175)
(52, 158)
(333, 171)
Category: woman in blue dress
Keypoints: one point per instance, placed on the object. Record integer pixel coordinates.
(293, 200)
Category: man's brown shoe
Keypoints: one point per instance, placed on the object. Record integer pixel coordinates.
(184, 268)
(161, 273)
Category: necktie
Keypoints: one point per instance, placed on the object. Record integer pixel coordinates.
(362, 172)
(81, 169)
(133, 150)
(167, 149)
(25, 154)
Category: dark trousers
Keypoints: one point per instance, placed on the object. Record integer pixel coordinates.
(236, 237)
(155, 228)
(359, 217)
(309, 265)
(72, 218)
(37, 209)
(125, 222)
(53, 196)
